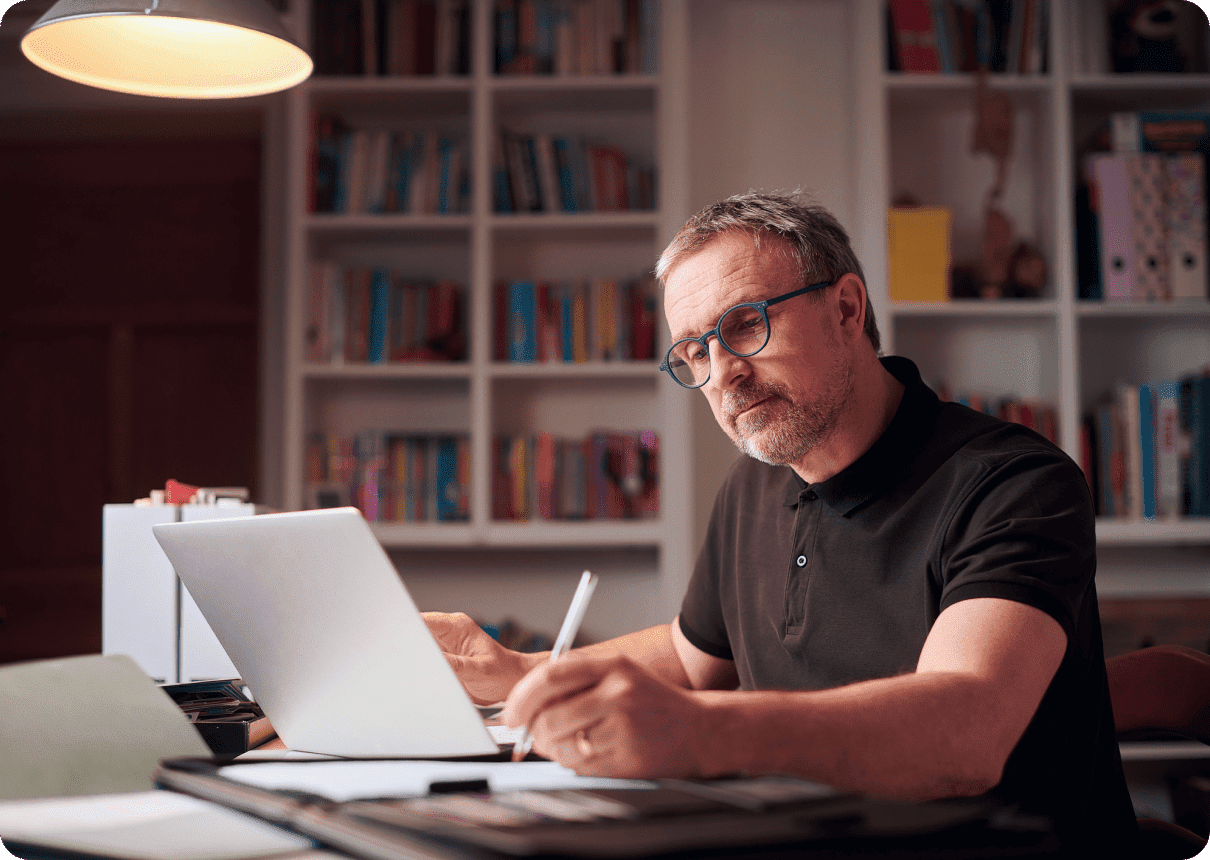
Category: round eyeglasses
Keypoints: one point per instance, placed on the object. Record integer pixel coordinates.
(743, 331)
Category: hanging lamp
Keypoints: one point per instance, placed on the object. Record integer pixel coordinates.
(200, 49)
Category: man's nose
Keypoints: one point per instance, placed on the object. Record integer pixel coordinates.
(727, 370)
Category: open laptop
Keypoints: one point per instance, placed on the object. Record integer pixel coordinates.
(316, 619)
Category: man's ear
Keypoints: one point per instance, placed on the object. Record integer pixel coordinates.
(850, 299)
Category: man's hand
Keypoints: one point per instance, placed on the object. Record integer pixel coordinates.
(486, 669)
(609, 716)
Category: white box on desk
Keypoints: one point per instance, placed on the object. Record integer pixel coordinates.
(145, 611)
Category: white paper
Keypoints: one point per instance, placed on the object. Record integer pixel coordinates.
(352, 780)
(146, 825)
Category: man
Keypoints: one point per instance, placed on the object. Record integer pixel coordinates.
(895, 595)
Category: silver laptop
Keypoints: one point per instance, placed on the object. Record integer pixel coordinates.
(322, 630)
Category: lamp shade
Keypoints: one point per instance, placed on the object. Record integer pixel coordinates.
(200, 49)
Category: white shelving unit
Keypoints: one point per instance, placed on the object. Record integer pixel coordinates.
(913, 134)
(480, 397)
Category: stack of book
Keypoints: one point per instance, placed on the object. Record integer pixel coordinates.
(372, 314)
(939, 36)
(392, 477)
(380, 170)
(1141, 209)
(576, 37)
(1146, 449)
(391, 37)
(1030, 412)
(551, 321)
(607, 476)
(564, 173)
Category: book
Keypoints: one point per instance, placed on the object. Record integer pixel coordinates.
(1148, 213)
(1128, 402)
(1160, 131)
(1115, 225)
(914, 36)
(1167, 449)
(1146, 443)
(1185, 195)
(918, 253)
(522, 322)
(1112, 502)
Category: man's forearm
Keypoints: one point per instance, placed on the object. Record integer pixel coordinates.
(651, 648)
(916, 736)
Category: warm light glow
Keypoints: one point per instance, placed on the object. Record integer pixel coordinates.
(158, 55)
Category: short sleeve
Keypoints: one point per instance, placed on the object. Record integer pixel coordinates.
(702, 619)
(1026, 533)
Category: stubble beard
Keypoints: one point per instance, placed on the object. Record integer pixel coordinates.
(783, 432)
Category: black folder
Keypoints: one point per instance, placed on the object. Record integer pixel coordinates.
(727, 818)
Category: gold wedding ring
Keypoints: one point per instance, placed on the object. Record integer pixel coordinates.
(583, 745)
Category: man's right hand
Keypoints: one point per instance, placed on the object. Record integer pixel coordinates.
(486, 668)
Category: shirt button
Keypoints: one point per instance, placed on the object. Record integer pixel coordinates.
(802, 561)
(809, 495)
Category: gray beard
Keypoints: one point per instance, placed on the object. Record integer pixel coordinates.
(787, 437)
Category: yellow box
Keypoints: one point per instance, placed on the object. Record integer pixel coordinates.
(918, 253)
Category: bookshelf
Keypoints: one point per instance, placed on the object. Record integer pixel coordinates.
(478, 247)
(913, 132)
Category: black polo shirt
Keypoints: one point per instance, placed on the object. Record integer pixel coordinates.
(808, 587)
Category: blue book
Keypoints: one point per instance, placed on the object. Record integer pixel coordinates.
(522, 321)
(1147, 447)
(446, 486)
(1199, 448)
(568, 198)
(344, 154)
(545, 37)
(401, 170)
(566, 323)
(380, 296)
(506, 35)
(445, 149)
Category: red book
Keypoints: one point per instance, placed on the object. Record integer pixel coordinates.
(915, 36)
(607, 166)
(642, 299)
(544, 474)
(648, 504)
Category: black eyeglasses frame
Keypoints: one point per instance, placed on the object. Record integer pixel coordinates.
(761, 307)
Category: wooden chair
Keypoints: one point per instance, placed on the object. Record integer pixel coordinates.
(1164, 687)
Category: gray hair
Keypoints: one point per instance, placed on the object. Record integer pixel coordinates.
(810, 234)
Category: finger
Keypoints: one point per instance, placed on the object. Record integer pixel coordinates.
(549, 682)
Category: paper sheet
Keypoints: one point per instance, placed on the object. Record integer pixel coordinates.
(146, 825)
(351, 780)
(86, 725)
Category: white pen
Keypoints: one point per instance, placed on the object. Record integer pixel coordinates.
(567, 633)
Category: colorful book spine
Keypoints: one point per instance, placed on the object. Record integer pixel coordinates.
(608, 475)
(371, 314)
(522, 322)
(1167, 449)
(1146, 444)
(914, 36)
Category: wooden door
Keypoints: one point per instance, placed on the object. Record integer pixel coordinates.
(129, 283)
